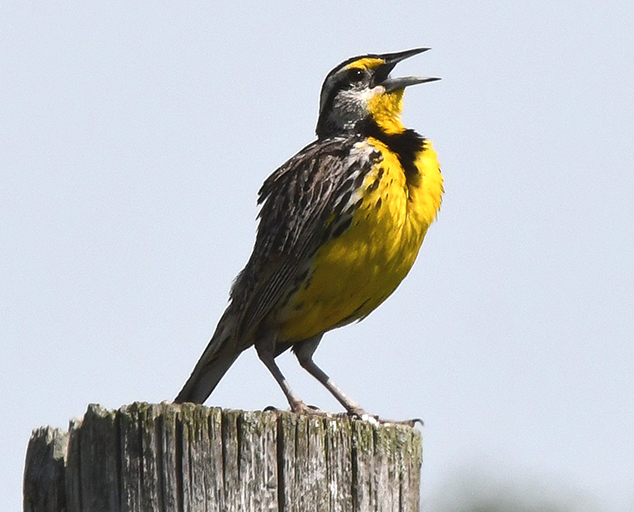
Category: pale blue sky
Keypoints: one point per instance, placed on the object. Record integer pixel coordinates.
(133, 140)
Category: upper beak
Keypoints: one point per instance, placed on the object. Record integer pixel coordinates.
(382, 77)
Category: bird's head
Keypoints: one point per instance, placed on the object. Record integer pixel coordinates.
(360, 91)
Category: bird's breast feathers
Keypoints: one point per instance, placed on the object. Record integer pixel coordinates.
(374, 242)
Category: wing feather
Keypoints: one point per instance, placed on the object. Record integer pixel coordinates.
(303, 202)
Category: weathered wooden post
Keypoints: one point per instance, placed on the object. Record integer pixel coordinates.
(192, 458)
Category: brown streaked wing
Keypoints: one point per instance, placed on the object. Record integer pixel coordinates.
(298, 203)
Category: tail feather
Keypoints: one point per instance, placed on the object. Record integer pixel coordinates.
(221, 352)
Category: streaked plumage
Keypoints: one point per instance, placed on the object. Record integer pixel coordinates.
(341, 224)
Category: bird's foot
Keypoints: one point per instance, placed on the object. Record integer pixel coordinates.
(310, 410)
(303, 409)
(360, 414)
(409, 423)
(355, 413)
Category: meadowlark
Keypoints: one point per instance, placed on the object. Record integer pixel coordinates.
(341, 224)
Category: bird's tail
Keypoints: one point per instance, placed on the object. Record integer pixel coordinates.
(223, 349)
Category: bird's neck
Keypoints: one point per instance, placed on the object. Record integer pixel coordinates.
(383, 114)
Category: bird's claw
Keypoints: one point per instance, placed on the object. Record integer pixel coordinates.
(354, 414)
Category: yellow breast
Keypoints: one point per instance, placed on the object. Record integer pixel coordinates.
(355, 272)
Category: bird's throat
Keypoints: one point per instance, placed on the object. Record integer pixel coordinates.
(385, 110)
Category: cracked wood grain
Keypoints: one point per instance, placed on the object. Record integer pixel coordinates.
(190, 458)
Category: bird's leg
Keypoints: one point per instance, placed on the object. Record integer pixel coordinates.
(304, 352)
(265, 348)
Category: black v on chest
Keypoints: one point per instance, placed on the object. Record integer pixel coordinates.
(406, 145)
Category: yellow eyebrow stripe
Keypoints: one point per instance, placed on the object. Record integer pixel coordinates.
(365, 63)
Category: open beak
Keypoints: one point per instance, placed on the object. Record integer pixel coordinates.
(382, 75)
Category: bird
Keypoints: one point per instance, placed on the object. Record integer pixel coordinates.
(340, 226)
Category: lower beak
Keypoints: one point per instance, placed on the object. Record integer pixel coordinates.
(393, 84)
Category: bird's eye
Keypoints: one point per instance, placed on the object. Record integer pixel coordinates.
(355, 75)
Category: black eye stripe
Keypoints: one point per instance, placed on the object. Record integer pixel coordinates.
(335, 84)
(355, 75)
(343, 83)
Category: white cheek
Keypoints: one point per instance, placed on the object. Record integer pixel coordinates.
(375, 91)
(363, 97)
(356, 102)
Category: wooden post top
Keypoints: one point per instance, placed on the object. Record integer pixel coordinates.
(167, 457)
